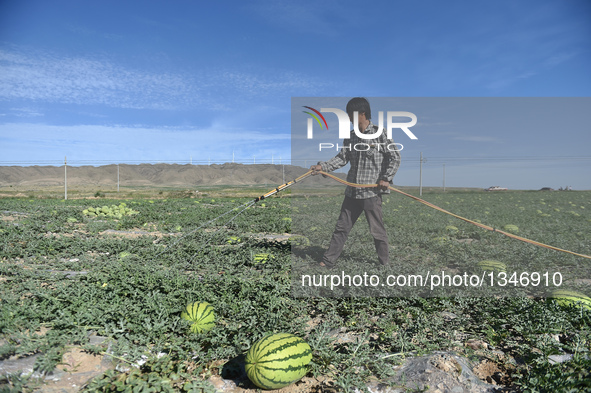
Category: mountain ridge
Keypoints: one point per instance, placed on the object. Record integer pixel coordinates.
(154, 175)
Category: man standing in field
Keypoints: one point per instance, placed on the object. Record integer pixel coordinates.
(373, 161)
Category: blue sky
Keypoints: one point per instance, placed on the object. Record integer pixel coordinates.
(153, 81)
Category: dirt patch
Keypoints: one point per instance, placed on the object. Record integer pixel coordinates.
(135, 233)
(77, 368)
(54, 235)
(17, 195)
(77, 360)
(441, 372)
(491, 373)
(9, 216)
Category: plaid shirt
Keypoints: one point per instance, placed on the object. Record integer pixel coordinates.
(371, 161)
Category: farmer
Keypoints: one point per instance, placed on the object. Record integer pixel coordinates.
(373, 161)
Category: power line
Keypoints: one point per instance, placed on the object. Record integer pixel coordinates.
(432, 160)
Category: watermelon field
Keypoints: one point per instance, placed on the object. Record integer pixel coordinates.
(125, 271)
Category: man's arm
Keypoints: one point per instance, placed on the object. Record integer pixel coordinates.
(338, 161)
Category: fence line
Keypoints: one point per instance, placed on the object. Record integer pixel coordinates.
(415, 159)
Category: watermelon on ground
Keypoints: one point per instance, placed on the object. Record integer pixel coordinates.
(451, 229)
(202, 316)
(571, 298)
(493, 266)
(262, 258)
(278, 360)
(511, 228)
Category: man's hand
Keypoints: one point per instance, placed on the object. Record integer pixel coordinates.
(315, 169)
(383, 185)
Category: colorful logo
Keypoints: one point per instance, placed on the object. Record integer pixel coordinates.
(310, 132)
(315, 117)
(344, 121)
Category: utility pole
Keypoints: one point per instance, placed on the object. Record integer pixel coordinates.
(443, 177)
(421, 175)
(117, 177)
(65, 177)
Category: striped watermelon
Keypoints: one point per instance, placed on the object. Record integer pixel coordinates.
(277, 360)
(262, 258)
(452, 229)
(493, 266)
(201, 315)
(511, 228)
(571, 298)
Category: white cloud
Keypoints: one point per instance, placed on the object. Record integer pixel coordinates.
(75, 80)
(46, 77)
(29, 143)
(23, 112)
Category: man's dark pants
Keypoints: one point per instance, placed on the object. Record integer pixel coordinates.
(350, 211)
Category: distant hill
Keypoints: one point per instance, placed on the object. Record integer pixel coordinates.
(156, 175)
